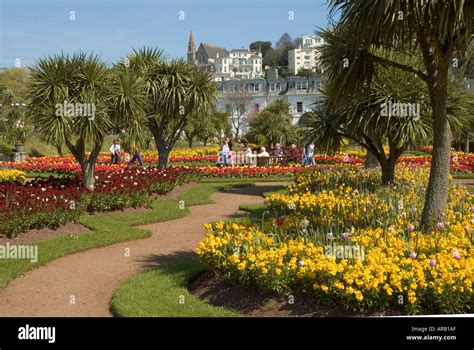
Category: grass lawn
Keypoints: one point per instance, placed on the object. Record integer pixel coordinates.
(108, 230)
(162, 292)
(463, 176)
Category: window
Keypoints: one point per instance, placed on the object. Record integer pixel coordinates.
(275, 87)
(254, 87)
(301, 85)
(299, 107)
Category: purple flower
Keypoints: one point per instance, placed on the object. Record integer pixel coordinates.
(346, 235)
(432, 262)
(440, 226)
(410, 228)
(391, 229)
(457, 255)
(413, 255)
(472, 209)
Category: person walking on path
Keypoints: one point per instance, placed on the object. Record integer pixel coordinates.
(136, 156)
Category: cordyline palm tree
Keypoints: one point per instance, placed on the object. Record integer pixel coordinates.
(435, 29)
(274, 122)
(174, 92)
(81, 79)
(358, 117)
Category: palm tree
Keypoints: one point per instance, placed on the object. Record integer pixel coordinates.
(359, 117)
(174, 92)
(78, 82)
(434, 29)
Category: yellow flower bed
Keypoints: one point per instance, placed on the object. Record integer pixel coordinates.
(12, 175)
(354, 247)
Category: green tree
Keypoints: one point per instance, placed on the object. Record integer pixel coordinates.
(79, 82)
(173, 93)
(274, 123)
(360, 117)
(434, 29)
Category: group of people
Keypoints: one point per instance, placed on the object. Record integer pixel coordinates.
(305, 156)
(115, 154)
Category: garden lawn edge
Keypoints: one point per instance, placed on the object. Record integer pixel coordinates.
(162, 292)
(109, 229)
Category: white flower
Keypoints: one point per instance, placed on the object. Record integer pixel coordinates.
(134, 184)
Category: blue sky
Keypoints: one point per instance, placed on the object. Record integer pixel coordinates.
(30, 29)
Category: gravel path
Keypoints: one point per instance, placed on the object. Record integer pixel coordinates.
(91, 277)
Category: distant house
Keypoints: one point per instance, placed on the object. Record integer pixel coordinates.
(225, 65)
(246, 97)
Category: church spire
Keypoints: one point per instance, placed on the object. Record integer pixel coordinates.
(191, 50)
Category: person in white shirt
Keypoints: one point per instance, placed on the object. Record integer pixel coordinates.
(263, 153)
(112, 152)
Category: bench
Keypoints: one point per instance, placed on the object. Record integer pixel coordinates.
(272, 161)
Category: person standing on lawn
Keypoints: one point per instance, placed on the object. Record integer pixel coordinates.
(310, 155)
(136, 156)
(117, 151)
(112, 152)
(224, 152)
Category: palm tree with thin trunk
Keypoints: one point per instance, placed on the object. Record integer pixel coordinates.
(61, 90)
(174, 93)
(436, 30)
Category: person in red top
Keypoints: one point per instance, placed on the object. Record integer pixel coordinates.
(293, 154)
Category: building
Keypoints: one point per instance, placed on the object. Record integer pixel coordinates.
(225, 65)
(243, 98)
(306, 56)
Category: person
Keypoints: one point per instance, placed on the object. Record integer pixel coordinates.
(310, 155)
(278, 151)
(230, 142)
(304, 159)
(112, 152)
(136, 156)
(230, 155)
(117, 152)
(224, 152)
(263, 153)
(293, 154)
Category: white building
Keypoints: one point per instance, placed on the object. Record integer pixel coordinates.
(244, 98)
(306, 56)
(239, 64)
(225, 65)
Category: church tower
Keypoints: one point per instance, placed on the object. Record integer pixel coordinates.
(192, 51)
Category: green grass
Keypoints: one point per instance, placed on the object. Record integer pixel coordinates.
(201, 194)
(248, 179)
(463, 176)
(162, 292)
(108, 229)
(44, 175)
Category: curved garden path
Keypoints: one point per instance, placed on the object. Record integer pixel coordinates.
(91, 277)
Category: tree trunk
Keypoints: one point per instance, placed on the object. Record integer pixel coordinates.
(163, 155)
(205, 139)
(437, 190)
(59, 149)
(388, 171)
(466, 142)
(190, 142)
(88, 179)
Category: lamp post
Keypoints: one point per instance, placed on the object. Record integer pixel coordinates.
(19, 124)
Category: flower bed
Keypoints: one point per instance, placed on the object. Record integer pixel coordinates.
(12, 175)
(348, 241)
(53, 202)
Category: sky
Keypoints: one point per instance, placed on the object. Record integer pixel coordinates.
(31, 29)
